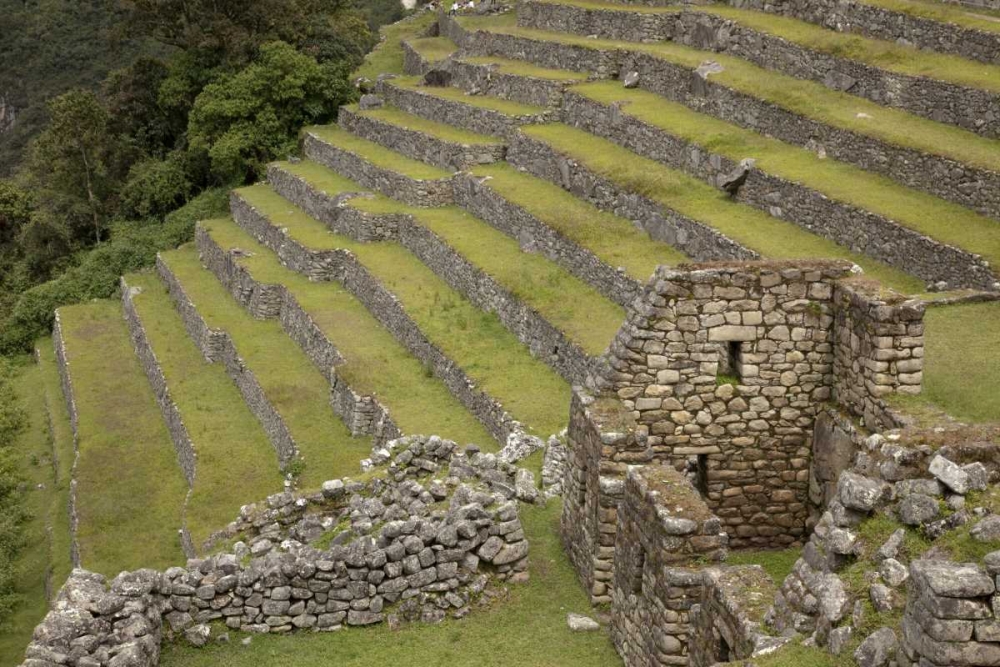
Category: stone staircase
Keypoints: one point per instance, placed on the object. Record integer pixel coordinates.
(450, 259)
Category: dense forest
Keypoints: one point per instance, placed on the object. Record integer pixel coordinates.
(113, 113)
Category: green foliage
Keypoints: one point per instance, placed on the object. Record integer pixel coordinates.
(132, 246)
(155, 187)
(12, 511)
(137, 112)
(15, 210)
(248, 119)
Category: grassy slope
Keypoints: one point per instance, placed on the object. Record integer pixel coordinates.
(968, 17)
(527, 629)
(935, 217)
(433, 49)
(806, 98)
(755, 229)
(442, 131)
(376, 363)
(387, 57)
(376, 154)
(962, 361)
(492, 356)
(289, 380)
(459, 95)
(38, 557)
(521, 68)
(616, 241)
(877, 53)
(236, 462)
(131, 520)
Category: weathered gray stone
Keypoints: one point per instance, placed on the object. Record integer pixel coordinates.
(987, 530)
(877, 649)
(857, 492)
(918, 509)
(949, 474)
(580, 623)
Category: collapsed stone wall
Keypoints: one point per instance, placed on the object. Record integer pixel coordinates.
(974, 109)
(863, 231)
(883, 23)
(436, 529)
(217, 346)
(665, 531)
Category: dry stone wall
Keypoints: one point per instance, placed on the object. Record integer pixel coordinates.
(862, 231)
(420, 145)
(884, 23)
(433, 530)
(974, 109)
(426, 193)
(488, 79)
(66, 383)
(694, 239)
(217, 346)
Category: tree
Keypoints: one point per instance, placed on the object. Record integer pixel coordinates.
(15, 211)
(135, 110)
(248, 119)
(75, 165)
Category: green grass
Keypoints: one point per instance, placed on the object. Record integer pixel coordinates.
(878, 53)
(395, 116)
(528, 628)
(433, 49)
(777, 563)
(927, 214)
(130, 490)
(33, 455)
(325, 180)
(574, 307)
(962, 360)
(614, 240)
(492, 356)
(883, 54)
(387, 57)
(376, 363)
(458, 95)
(298, 391)
(794, 654)
(967, 17)
(61, 434)
(522, 68)
(806, 98)
(691, 197)
(236, 462)
(377, 155)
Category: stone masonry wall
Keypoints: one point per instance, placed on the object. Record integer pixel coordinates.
(974, 109)
(216, 345)
(66, 383)
(962, 183)
(390, 183)
(154, 373)
(884, 23)
(665, 532)
(420, 145)
(879, 350)
(694, 239)
(862, 231)
(421, 540)
(475, 195)
(487, 79)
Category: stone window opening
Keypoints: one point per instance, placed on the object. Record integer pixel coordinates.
(730, 354)
(701, 475)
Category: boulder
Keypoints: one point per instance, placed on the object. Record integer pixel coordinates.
(198, 635)
(581, 623)
(987, 530)
(918, 509)
(949, 474)
(877, 649)
(631, 80)
(858, 492)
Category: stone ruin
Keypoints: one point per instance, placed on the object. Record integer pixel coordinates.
(431, 535)
(733, 412)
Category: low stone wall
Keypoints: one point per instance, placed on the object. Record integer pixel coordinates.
(968, 185)
(974, 109)
(878, 350)
(419, 145)
(402, 546)
(896, 26)
(66, 383)
(665, 531)
(487, 79)
(154, 373)
(874, 235)
(727, 624)
(363, 414)
(390, 183)
(698, 241)
(476, 196)
(455, 113)
(216, 345)
(545, 341)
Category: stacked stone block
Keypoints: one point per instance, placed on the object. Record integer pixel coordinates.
(665, 532)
